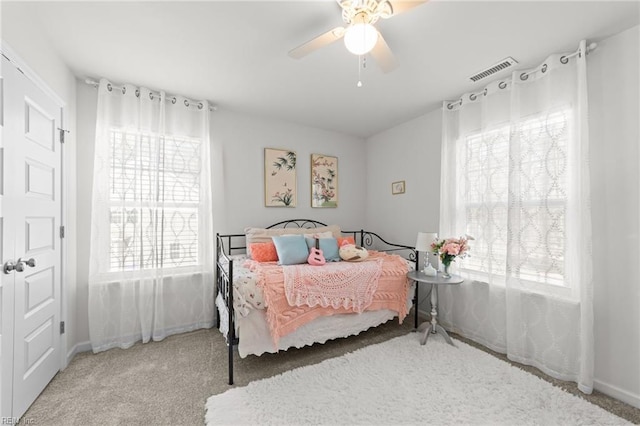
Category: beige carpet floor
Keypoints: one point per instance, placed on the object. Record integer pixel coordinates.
(168, 382)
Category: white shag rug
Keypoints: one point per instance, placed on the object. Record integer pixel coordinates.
(401, 382)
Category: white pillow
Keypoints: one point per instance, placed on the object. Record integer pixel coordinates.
(327, 234)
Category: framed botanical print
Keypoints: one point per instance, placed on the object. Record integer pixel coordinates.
(324, 181)
(279, 178)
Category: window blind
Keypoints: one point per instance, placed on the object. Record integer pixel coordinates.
(155, 201)
(540, 156)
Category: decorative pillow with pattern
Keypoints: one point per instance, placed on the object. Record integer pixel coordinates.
(264, 252)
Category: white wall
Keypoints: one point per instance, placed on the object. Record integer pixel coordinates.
(242, 140)
(409, 152)
(23, 35)
(87, 100)
(614, 97)
(238, 141)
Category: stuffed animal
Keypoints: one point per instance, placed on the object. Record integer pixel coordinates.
(353, 253)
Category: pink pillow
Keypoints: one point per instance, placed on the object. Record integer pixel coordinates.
(263, 252)
(346, 240)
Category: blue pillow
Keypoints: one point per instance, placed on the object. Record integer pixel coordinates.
(329, 247)
(292, 249)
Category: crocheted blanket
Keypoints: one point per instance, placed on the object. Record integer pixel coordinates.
(341, 284)
(283, 318)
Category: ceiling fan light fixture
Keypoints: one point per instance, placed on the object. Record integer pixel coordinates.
(360, 38)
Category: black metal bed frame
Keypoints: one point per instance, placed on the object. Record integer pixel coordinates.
(237, 243)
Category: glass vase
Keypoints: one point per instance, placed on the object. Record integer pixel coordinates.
(445, 270)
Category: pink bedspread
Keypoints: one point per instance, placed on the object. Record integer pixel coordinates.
(336, 284)
(283, 318)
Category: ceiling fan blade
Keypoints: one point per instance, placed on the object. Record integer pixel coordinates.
(318, 42)
(383, 55)
(400, 6)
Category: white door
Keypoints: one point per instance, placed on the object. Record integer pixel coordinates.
(29, 224)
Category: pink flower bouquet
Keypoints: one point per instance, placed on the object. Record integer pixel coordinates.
(449, 249)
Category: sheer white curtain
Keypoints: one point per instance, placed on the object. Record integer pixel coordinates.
(515, 177)
(151, 258)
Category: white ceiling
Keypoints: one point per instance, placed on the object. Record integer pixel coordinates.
(234, 53)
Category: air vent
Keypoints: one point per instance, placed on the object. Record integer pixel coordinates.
(502, 65)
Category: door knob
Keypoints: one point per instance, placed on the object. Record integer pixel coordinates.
(19, 266)
(9, 266)
(31, 262)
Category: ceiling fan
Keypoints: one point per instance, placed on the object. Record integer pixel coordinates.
(360, 35)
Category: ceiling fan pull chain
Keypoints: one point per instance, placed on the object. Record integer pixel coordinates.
(360, 59)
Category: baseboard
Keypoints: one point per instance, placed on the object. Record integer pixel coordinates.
(77, 348)
(86, 345)
(607, 389)
(617, 393)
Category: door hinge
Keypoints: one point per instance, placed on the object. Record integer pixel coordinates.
(62, 132)
(61, 327)
(62, 232)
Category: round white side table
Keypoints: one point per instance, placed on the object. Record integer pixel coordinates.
(433, 327)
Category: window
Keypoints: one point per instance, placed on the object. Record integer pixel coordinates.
(535, 169)
(154, 201)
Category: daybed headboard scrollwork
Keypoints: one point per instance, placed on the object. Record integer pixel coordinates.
(371, 240)
(235, 243)
(297, 223)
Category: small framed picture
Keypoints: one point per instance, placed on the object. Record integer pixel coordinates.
(397, 187)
